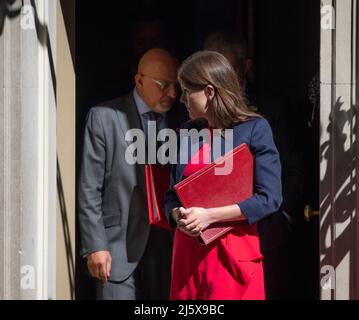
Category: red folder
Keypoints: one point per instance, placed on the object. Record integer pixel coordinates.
(157, 183)
(206, 189)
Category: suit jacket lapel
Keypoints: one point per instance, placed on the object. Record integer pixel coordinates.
(129, 109)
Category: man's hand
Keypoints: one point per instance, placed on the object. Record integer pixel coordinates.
(99, 265)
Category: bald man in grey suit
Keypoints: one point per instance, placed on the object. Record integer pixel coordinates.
(128, 258)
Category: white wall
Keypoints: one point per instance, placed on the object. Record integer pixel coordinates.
(339, 152)
(28, 153)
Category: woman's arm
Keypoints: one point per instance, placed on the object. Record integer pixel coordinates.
(267, 196)
(194, 220)
(267, 188)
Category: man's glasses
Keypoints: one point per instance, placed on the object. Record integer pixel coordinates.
(164, 86)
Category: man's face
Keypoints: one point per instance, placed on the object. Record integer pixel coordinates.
(158, 86)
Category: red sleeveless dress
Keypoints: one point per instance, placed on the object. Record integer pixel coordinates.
(229, 268)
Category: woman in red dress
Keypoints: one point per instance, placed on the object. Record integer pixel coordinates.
(230, 267)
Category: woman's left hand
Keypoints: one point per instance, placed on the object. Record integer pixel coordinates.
(194, 220)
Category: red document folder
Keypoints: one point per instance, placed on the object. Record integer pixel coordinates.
(207, 189)
(157, 183)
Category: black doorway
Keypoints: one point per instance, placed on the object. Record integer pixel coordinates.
(284, 40)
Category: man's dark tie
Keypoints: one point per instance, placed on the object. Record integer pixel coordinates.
(154, 116)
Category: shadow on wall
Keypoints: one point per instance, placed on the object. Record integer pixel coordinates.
(338, 194)
(7, 10)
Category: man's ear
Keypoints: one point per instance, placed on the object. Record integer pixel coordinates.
(138, 80)
(247, 66)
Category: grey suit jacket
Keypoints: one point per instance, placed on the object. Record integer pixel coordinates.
(112, 193)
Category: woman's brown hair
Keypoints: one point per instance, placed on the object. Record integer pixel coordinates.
(228, 106)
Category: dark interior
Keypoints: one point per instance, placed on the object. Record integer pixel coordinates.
(284, 41)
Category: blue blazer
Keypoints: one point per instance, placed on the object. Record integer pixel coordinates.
(267, 189)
